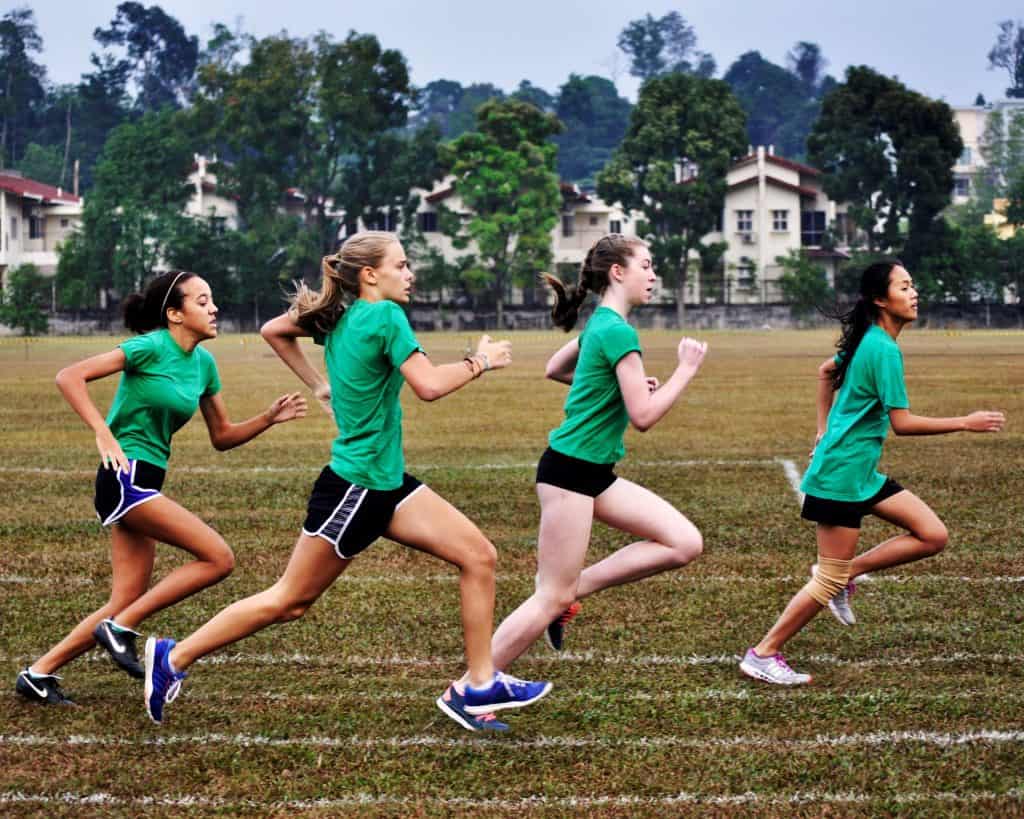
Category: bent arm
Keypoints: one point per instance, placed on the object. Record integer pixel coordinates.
(226, 435)
(283, 334)
(72, 380)
(646, 408)
(905, 423)
(562, 365)
(825, 394)
(431, 382)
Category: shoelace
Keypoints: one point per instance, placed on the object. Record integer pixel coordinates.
(509, 682)
(782, 661)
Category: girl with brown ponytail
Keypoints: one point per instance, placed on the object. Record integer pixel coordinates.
(365, 493)
(576, 482)
(165, 376)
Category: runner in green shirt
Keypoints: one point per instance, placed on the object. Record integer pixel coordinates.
(364, 492)
(576, 482)
(165, 377)
(860, 395)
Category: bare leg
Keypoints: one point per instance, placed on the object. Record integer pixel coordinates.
(565, 522)
(926, 534)
(427, 522)
(837, 542)
(164, 520)
(313, 567)
(669, 539)
(131, 559)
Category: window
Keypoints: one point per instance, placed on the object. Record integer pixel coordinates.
(780, 220)
(744, 221)
(36, 227)
(961, 186)
(812, 227)
(615, 226)
(593, 220)
(65, 222)
(382, 221)
(427, 221)
(745, 273)
(218, 225)
(14, 227)
(567, 224)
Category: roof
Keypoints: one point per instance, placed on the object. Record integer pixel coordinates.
(437, 196)
(803, 190)
(30, 189)
(799, 167)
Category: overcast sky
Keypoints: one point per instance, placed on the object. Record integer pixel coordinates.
(937, 48)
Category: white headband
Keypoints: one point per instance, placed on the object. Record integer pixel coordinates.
(163, 305)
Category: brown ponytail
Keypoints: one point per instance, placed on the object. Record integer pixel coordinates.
(613, 248)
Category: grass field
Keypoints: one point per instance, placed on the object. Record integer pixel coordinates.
(918, 710)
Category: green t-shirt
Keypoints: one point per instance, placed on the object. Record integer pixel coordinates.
(159, 391)
(595, 414)
(844, 466)
(363, 354)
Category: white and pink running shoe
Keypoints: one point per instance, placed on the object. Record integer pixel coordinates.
(772, 669)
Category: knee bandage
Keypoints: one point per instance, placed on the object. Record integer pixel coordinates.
(829, 579)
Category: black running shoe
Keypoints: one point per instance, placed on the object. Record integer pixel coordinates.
(556, 628)
(120, 643)
(41, 688)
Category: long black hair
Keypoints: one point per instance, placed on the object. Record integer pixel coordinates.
(857, 320)
(147, 310)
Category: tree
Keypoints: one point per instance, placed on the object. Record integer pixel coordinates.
(505, 174)
(1008, 54)
(595, 119)
(889, 152)
(25, 301)
(806, 62)
(803, 283)
(160, 56)
(962, 263)
(528, 92)
(683, 135)
(21, 82)
(42, 163)
(664, 45)
(1002, 148)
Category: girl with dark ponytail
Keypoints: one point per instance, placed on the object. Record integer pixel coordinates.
(165, 377)
(576, 482)
(861, 393)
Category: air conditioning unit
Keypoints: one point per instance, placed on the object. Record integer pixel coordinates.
(748, 238)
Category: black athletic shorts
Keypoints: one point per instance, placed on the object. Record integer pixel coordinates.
(846, 513)
(350, 517)
(574, 474)
(117, 492)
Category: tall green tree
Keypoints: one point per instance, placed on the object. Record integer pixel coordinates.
(595, 119)
(1002, 148)
(160, 56)
(889, 152)
(22, 81)
(667, 44)
(25, 301)
(683, 135)
(1008, 54)
(505, 175)
(803, 283)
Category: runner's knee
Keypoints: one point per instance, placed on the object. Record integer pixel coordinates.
(687, 545)
(479, 556)
(934, 537)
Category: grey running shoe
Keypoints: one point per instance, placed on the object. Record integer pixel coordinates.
(772, 669)
(840, 604)
(41, 688)
(120, 644)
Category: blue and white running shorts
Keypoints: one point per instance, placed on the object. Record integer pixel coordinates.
(117, 491)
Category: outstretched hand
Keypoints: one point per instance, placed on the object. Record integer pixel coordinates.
(286, 408)
(985, 421)
(497, 354)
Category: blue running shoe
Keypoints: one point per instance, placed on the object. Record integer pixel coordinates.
(162, 683)
(504, 691)
(453, 703)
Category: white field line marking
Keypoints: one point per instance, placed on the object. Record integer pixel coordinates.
(648, 661)
(312, 470)
(793, 476)
(515, 805)
(874, 739)
(669, 577)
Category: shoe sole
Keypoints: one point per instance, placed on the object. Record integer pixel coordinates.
(756, 674)
(477, 710)
(148, 690)
(99, 634)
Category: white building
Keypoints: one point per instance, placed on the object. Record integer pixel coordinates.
(34, 219)
(972, 121)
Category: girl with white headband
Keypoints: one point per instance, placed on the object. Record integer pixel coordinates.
(166, 375)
